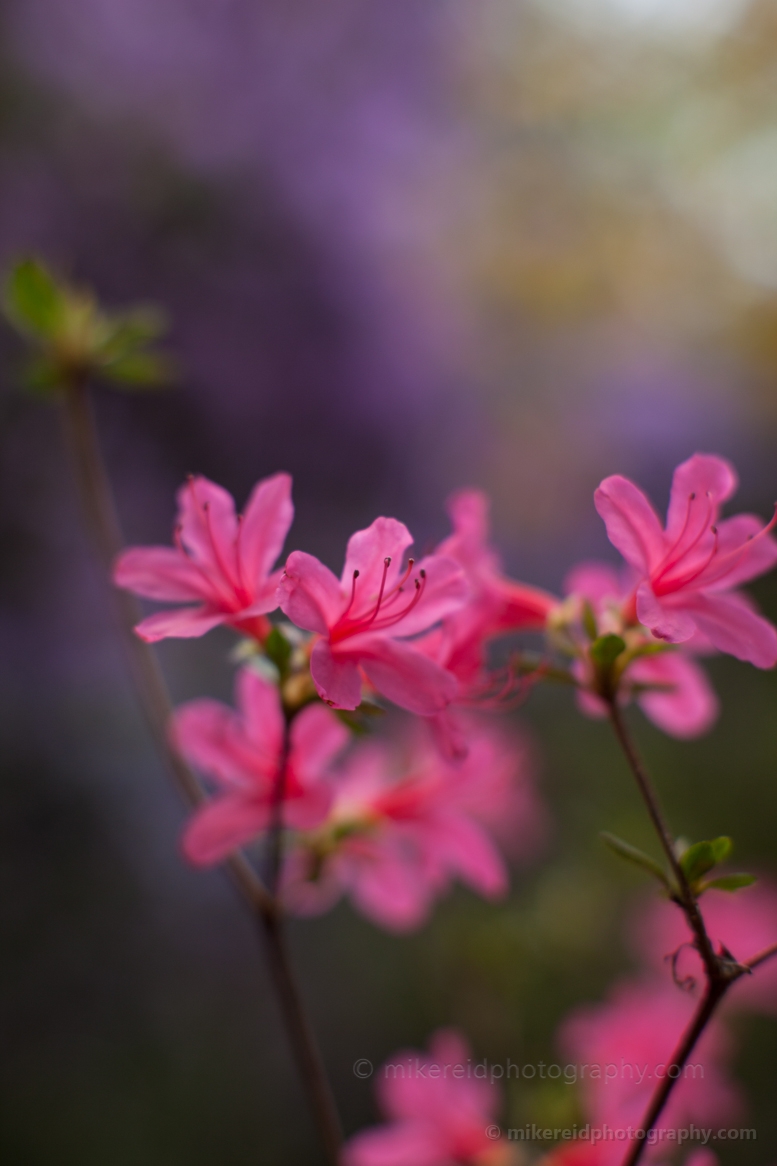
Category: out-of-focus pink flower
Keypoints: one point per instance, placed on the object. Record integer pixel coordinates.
(687, 571)
(438, 1113)
(679, 697)
(402, 828)
(628, 1043)
(585, 1152)
(496, 604)
(744, 922)
(242, 751)
(360, 618)
(221, 561)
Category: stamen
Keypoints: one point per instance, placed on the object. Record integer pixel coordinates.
(390, 620)
(353, 595)
(397, 589)
(386, 565)
(666, 566)
(731, 558)
(222, 566)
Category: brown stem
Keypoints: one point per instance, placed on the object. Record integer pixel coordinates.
(303, 1040)
(686, 898)
(102, 522)
(707, 1005)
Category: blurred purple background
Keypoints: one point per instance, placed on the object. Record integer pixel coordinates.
(404, 247)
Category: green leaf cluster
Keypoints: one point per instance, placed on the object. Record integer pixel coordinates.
(72, 338)
(696, 861)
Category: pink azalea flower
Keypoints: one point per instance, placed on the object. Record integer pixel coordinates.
(360, 618)
(683, 703)
(627, 1045)
(686, 572)
(398, 834)
(744, 922)
(584, 1152)
(435, 1119)
(221, 562)
(242, 752)
(496, 605)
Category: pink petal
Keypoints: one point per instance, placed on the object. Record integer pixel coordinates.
(265, 598)
(468, 545)
(317, 735)
(671, 623)
(206, 514)
(595, 581)
(221, 826)
(734, 627)
(303, 895)
(688, 711)
(160, 573)
(309, 594)
(632, 524)
(367, 549)
(309, 809)
(268, 516)
(467, 850)
(407, 677)
(259, 702)
(444, 592)
(708, 477)
(741, 556)
(183, 623)
(389, 890)
(399, 1144)
(337, 678)
(205, 732)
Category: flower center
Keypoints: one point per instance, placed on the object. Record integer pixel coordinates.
(385, 612)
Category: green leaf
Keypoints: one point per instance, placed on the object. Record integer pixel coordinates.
(732, 882)
(606, 650)
(33, 300)
(279, 650)
(696, 860)
(633, 855)
(145, 370)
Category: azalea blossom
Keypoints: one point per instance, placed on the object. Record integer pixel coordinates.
(402, 828)
(496, 604)
(221, 561)
(243, 751)
(628, 1043)
(585, 1151)
(744, 923)
(364, 619)
(670, 687)
(687, 572)
(438, 1114)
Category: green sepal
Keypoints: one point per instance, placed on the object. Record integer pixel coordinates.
(637, 857)
(732, 882)
(33, 300)
(606, 650)
(278, 649)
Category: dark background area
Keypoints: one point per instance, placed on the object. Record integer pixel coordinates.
(404, 247)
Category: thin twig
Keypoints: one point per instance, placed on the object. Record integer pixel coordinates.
(707, 1005)
(101, 519)
(686, 898)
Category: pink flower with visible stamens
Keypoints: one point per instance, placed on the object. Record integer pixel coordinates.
(361, 617)
(402, 828)
(670, 687)
(438, 1113)
(221, 561)
(242, 751)
(687, 571)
